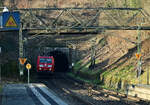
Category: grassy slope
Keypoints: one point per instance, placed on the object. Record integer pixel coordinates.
(111, 77)
(116, 77)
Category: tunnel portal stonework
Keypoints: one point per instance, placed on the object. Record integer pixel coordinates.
(63, 50)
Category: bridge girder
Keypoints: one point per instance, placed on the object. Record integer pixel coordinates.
(59, 20)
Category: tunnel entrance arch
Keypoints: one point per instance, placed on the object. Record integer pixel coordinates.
(61, 61)
(61, 56)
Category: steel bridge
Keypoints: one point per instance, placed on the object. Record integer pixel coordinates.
(82, 20)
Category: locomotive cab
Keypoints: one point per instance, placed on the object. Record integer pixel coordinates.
(45, 64)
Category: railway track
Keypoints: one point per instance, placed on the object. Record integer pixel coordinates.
(83, 94)
(55, 84)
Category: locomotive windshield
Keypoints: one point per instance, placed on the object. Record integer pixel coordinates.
(45, 60)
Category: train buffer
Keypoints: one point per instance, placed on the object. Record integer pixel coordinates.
(29, 94)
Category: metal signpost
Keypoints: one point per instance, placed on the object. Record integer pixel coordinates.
(28, 66)
(138, 55)
(20, 49)
(21, 65)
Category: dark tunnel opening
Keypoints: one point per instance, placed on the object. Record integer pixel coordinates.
(61, 61)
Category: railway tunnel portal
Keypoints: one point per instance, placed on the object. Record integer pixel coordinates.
(62, 57)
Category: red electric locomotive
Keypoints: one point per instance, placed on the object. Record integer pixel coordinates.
(45, 64)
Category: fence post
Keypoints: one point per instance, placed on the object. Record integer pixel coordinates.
(148, 75)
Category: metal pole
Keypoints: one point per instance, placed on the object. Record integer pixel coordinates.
(93, 54)
(20, 49)
(139, 52)
(28, 76)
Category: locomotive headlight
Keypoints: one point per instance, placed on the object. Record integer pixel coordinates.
(49, 65)
(41, 65)
(40, 68)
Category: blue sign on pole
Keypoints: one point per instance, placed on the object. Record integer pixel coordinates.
(11, 20)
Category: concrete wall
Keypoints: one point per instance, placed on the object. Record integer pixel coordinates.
(9, 44)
